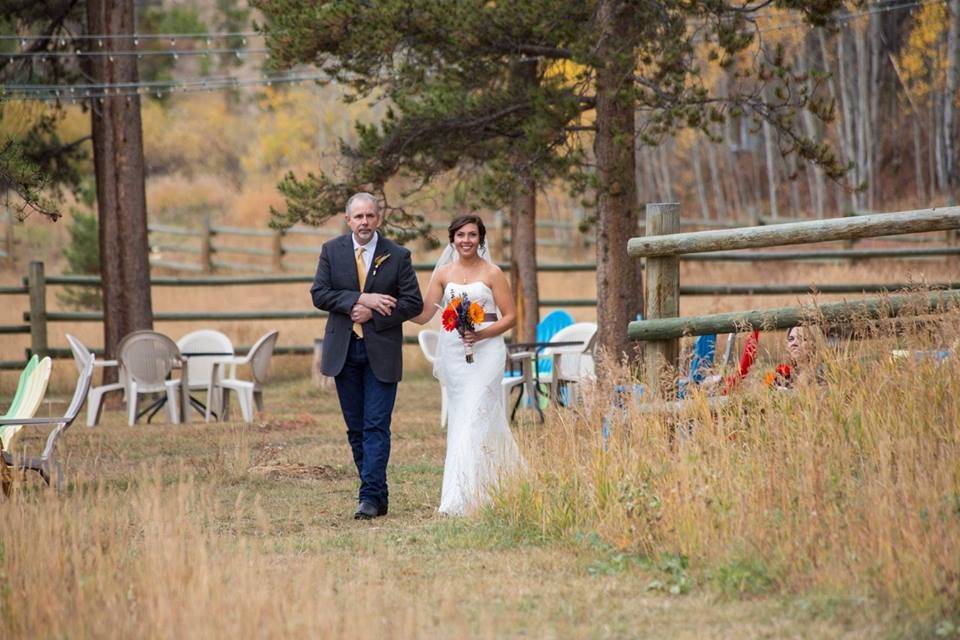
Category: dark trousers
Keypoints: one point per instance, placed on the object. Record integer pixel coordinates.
(367, 406)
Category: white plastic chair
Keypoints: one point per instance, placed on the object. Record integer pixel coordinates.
(35, 386)
(148, 357)
(81, 356)
(428, 340)
(200, 368)
(571, 364)
(249, 392)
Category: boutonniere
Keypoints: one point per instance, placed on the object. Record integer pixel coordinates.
(379, 260)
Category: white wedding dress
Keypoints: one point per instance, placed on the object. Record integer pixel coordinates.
(480, 447)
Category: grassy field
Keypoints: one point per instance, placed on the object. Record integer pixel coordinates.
(831, 512)
(224, 529)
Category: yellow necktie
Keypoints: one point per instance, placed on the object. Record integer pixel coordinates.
(362, 276)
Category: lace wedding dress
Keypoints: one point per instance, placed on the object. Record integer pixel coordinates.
(480, 447)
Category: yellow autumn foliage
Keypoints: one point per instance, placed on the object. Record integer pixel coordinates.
(196, 132)
(923, 61)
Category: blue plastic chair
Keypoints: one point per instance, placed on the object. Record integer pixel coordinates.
(546, 329)
(704, 350)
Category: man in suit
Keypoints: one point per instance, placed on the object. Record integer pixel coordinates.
(368, 286)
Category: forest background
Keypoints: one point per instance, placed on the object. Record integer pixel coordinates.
(221, 152)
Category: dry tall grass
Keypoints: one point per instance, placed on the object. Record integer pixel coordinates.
(211, 530)
(850, 486)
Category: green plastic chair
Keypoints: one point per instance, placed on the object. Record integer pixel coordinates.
(21, 386)
(28, 401)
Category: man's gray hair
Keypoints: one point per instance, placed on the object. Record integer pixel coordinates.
(362, 195)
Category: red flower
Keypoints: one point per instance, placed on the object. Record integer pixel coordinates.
(449, 318)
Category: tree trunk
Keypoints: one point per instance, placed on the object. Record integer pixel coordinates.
(876, 44)
(698, 177)
(794, 190)
(619, 290)
(523, 261)
(952, 84)
(770, 156)
(848, 87)
(862, 110)
(938, 141)
(918, 159)
(523, 225)
(846, 117)
(121, 195)
(663, 160)
(719, 202)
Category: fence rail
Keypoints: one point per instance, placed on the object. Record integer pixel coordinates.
(559, 233)
(785, 317)
(663, 246)
(883, 224)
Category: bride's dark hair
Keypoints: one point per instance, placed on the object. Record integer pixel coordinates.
(461, 221)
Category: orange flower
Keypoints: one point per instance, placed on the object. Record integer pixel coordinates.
(475, 313)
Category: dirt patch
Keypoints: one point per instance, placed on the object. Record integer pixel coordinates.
(295, 470)
(288, 423)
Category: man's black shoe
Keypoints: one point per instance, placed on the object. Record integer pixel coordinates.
(366, 511)
(382, 510)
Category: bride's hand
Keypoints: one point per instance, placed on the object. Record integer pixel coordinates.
(472, 337)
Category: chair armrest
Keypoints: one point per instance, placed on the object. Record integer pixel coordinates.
(31, 421)
(521, 355)
(231, 360)
(106, 363)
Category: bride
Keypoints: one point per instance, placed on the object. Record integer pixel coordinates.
(480, 446)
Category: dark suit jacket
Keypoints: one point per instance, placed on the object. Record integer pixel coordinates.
(336, 289)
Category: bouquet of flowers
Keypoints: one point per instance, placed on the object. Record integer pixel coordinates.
(461, 315)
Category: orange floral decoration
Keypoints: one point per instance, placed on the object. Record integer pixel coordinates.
(475, 313)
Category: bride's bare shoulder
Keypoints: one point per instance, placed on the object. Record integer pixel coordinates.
(494, 271)
(442, 273)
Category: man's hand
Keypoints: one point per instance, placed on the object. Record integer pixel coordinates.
(360, 313)
(378, 302)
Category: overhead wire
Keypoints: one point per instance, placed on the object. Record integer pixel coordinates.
(159, 88)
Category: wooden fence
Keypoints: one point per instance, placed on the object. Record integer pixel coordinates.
(37, 318)
(210, 247)
(663, 246)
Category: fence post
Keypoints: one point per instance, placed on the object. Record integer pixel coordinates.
(8, 235)
(38, 308)
(662, 300)
(206, 263)
(277, 250)
(953, 241)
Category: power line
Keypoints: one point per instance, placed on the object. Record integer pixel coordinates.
(156, 88)
(84, 91)
(136, 36)
(239, 53)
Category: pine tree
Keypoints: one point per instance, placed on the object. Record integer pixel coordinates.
(622, 73)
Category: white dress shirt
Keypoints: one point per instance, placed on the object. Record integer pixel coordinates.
(368, 250)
